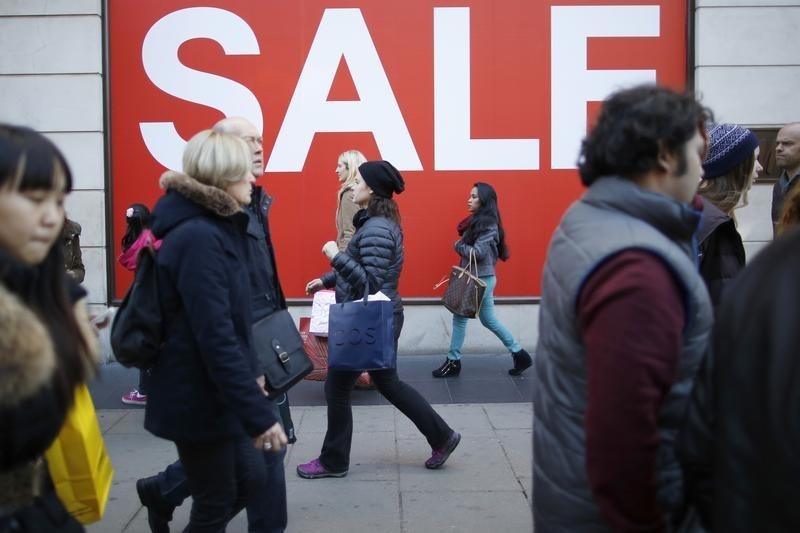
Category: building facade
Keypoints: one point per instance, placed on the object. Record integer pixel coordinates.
(52, 79)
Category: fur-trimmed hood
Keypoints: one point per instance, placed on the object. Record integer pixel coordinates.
(187, 198)
(27, 358)
(215, 200)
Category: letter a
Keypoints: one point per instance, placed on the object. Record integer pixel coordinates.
(342, 33)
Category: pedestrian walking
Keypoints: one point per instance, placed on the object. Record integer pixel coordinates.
(137, 236)
(47, 347)
(346, 170)
(729, 169)
(374, 257)
(481, 236)
(741, 433)
(266, 510)
(73, 258)
(624, 323)
(204, 392)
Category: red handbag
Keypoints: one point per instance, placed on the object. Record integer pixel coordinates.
(317, 349)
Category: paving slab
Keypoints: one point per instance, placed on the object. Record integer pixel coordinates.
(465, 512)
(484, 486)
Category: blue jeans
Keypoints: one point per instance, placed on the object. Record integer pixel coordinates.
(489, 321)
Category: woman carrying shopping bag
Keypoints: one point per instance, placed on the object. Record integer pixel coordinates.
(373, 258)
(47, 347)
(482, 237)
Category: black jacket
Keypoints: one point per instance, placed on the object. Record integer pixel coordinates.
(374, 255)
(740, 442)
(721, 251)
(31, 413)
(203, 383)
(267, 295)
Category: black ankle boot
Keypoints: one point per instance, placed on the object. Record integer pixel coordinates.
(450, 368)
(522, 360)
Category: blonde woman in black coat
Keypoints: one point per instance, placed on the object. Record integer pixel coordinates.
(204, 395)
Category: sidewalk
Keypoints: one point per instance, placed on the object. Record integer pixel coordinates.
(484, 486)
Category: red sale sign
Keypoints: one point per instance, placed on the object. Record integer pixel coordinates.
(451, 93)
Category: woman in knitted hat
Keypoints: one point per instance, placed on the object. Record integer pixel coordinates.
(729, 169)
(482, 236)
(373, 256)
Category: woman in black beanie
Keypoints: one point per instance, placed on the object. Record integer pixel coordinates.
(375, 256)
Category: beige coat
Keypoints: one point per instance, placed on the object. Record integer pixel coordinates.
(345, 210)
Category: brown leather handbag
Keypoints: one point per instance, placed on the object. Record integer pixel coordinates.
(465, 290)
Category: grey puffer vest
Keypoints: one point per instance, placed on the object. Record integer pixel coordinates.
(614, 215)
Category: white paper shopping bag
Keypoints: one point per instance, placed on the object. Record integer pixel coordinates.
(319, 312)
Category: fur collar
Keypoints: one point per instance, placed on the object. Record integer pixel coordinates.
(27, 358)
(215, 200)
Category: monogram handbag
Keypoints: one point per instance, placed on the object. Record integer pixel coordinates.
(465, 290)
(280, 351)
(361, 335)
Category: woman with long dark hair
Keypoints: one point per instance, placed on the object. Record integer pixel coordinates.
(47, 347)
(374, 256)
(483, 238)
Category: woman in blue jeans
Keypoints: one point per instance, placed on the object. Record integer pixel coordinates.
(482, 235)
(373, 257)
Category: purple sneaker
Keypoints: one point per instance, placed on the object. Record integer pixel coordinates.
(438, 457)
(134, 397)
(315, 470)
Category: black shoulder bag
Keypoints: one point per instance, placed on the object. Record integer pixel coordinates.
(280, 351)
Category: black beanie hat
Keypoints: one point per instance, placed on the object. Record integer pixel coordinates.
(382, 178)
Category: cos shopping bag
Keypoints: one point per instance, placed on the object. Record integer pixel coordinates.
(361, 335)
(78, 462)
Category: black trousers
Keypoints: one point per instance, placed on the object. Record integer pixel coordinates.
(335, 455)
(221, 475)
(266, 510)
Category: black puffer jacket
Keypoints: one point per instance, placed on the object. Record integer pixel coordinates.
(721, 251)
(374, 255)
(742, 432)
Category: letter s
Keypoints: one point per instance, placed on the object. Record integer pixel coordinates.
(161, 63)
(370, 336)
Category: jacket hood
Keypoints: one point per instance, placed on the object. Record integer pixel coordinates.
(187, 198)
(27, 358)
(711, 218)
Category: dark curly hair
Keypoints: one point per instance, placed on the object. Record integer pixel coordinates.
(634, 126)
(487, 214)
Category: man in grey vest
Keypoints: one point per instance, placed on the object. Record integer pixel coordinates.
(624, 323)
